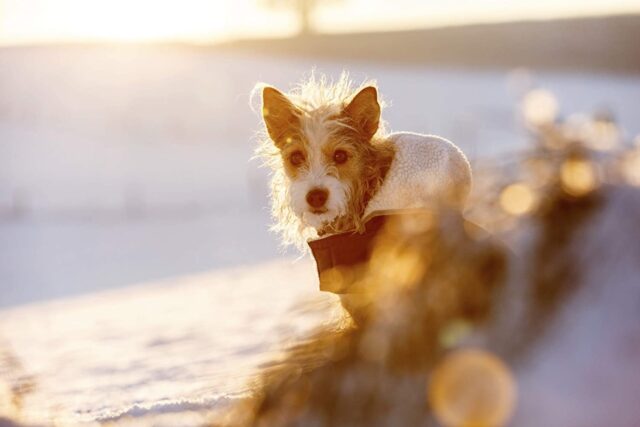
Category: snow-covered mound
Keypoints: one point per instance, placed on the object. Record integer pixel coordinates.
(181, 347)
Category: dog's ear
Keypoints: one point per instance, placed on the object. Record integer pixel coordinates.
(364, 111)
(280, 116)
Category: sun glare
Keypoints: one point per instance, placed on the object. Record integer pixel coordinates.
(203, 21)
(115, 20)
(147, 20)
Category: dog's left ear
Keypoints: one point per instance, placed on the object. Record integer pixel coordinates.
(364, 111)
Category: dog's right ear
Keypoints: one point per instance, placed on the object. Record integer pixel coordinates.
(280, 116)
(364, 111)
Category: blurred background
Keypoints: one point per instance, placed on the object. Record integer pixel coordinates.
(126, 134)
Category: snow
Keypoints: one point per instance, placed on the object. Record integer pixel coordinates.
(184, 345)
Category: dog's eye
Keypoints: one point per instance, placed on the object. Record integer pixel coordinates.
(296, 158)
(340, 156)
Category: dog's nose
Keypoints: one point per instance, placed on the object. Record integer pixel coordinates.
(317, 197)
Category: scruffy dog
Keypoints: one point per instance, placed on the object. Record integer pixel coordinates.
(334, 164)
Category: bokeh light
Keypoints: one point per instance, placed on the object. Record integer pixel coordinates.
(472, 387)
(600, 134)
(540, 107)
(407, 268)
(455, 332)
(578, 177)
(517, 199)
(604, 136)
(630, 167)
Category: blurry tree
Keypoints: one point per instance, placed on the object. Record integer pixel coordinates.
(303, 8)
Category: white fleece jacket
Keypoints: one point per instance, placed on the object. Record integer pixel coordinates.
(425, 171)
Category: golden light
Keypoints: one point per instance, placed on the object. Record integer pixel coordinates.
(517, 199)
(408, 267)
(631, 167)
(601, 135)
(604, 136)
(118, 20)
(406, 270)
(200, 21)
(472, 387)
(578, 177)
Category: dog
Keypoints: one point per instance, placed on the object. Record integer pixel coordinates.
(334, 164)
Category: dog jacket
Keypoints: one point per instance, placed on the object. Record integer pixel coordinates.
(426, 171)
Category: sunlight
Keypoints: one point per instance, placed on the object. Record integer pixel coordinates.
(116, 20)
(205, 21)
(145, 20)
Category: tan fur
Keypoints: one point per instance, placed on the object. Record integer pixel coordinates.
(364, 174)
(342, 119)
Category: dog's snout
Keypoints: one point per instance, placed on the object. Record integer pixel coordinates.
(317, 197)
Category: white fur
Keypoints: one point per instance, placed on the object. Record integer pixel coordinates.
(336, 203)
(317, 174)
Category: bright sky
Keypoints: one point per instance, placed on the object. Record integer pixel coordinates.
(201, 21)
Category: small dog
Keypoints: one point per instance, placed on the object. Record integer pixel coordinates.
(334, 163)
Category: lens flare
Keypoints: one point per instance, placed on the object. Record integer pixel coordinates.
(516, 199)
(472, 387)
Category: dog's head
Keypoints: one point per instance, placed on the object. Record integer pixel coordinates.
(327, 162)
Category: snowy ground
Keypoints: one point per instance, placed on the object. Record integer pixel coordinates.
(121, 166)
(179, 346)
